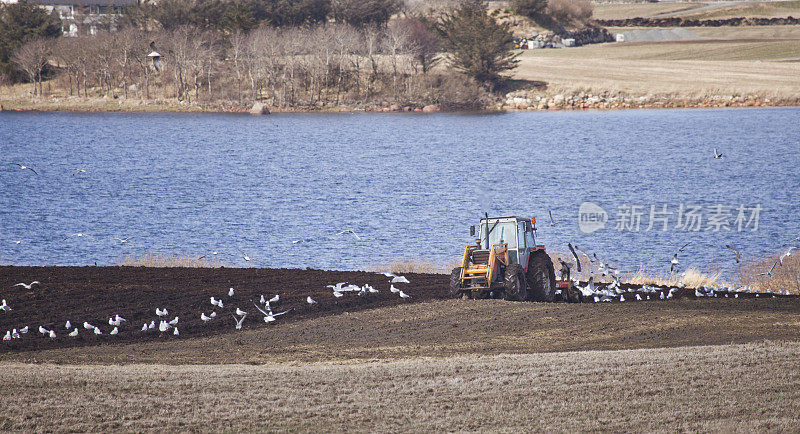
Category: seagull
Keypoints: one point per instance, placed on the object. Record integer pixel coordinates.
(175, 332)
(174, 321)
(400, 279)
(68, 325)
(15, 334)
(388, 274)
(113, 322)
(346, 231)
(337, 294)
(4, 306)
(144, 327)
(24, 330)
(28, 239)
(213, 301)
(239, 321)
(161, 313)
(7, 336)
(787, 254)
(310, 300)
(204, 317)
(77, 234)
(638, 297)
(119, 318)
(87, 326)
(552, 222)
(151, 326)
(661, 295)
(262, 300)
(245, 257)
(717, 155)
(213, 315)
(74, 332)
(404, 295)
(697, 293)
(97, 331)
(673, 262)
(769, 273)
(42, 330)
(52, 334)
(371, 289)
(163, 326)
(21, 167)
(79, 170)
(123, 240)
(621, 297)
(337, 287)
(393, 289)
(240, 312)
(735, 252)
(28, 286)
(275, 299)
(230, 292)
(684, 246)
(115, 331)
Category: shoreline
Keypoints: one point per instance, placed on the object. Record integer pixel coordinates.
(516, 101)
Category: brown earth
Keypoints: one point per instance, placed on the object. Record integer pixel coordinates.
(381, 326)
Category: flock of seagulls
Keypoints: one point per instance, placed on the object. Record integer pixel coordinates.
(164, 325)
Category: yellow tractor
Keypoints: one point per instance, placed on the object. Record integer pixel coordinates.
(505, 262)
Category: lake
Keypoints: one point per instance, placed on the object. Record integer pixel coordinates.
(409, 185)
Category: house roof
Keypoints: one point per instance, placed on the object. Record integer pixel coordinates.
(84, 2)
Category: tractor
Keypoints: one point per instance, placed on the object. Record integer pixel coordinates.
(505, 262)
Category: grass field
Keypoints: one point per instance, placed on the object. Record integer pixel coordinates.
(767, 9)
(621, 11)
(685, 69)
(751, 387)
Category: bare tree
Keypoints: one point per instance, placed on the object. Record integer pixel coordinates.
(395, 44)
(32, 57)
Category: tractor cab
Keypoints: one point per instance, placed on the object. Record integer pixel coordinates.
(505, 261)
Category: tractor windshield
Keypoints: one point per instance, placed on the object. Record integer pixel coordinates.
(498, 233)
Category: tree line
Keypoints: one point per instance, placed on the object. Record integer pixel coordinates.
(299, 59)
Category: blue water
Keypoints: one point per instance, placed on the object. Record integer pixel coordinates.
(409, 185)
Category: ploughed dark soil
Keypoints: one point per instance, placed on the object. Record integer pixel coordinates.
(93, 294)
(377, 326)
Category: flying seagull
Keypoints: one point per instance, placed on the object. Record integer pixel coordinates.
(28, 286)
(575, 255)
(400, 279)
(673, 262)
(123, 240)
(78, 170)
(735, 252)
(20, 241)
(769, 273)
(78, 234)
(716, 154)
(552, 222)
(21, 167)
(787, 254)
(351, 232)
(239, 321)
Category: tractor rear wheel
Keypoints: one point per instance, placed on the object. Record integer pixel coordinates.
(541, 278)
(455, 283)
(515, 283)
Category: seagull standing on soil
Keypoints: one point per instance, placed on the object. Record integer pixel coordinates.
(74, 333)
(28, 286)
(87, 326)
(24, 330)
(174, 321)
(161, 313)
(52, 334)
(274, 299)
(21, 167)
(393, 289)
(240, 312)
(404, 295)
(114, 331)
(144, 327)
(400, 279)
(7, 336)
(4, 306)
(97, 331)
(204, 317)
(175, 332)
(310, 300)
(230, 292)
(68, 325)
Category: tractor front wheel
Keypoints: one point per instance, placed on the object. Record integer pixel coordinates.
(455, 283)
(515, 283)
(541, 278)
